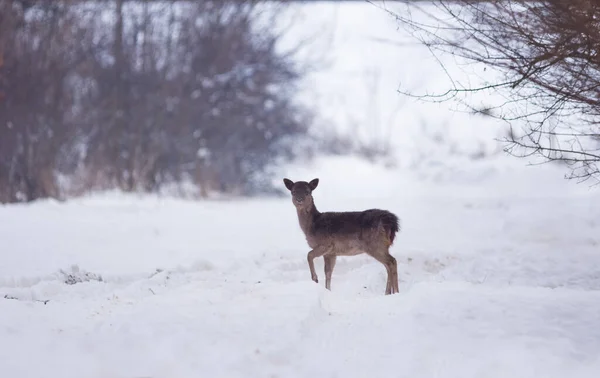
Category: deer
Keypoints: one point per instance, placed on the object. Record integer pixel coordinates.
(349, 233)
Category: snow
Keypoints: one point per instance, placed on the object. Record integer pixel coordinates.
(371, 57)
(498, 262)
(491, 283)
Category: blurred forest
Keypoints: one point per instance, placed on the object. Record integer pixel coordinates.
(138, 95)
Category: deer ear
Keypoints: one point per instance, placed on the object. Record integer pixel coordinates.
(288, 183)
(313, 184)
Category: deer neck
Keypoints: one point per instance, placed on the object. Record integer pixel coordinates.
(307, 217)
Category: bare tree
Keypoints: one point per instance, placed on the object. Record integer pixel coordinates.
(546, 55)
(137, 95)
(39, 46)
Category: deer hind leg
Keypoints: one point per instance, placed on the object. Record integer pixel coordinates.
(391, 266)
(394, 279)
(329, 265)
(387, 285)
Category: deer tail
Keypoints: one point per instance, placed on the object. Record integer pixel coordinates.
(391, 225)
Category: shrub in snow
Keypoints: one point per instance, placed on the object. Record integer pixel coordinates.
(76, 276)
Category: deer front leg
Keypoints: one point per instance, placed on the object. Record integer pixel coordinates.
(317, 252)
(329, 264)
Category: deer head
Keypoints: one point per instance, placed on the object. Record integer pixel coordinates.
(301, 192)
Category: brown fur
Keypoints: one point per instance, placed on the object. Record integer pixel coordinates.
(350, 233)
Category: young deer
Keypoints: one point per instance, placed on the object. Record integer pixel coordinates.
(344, 233)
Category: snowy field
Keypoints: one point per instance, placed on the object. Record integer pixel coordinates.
(496, 279)
(499, 264)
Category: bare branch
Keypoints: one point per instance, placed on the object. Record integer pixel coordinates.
(547, 53)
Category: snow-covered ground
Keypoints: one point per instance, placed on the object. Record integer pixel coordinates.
(498, 278)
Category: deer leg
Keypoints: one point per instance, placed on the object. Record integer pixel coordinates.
(388, 285)
(394, 276)
(392, 272)
(317, 252)
(329, 264)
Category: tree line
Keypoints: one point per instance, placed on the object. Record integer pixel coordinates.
(137, 95)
